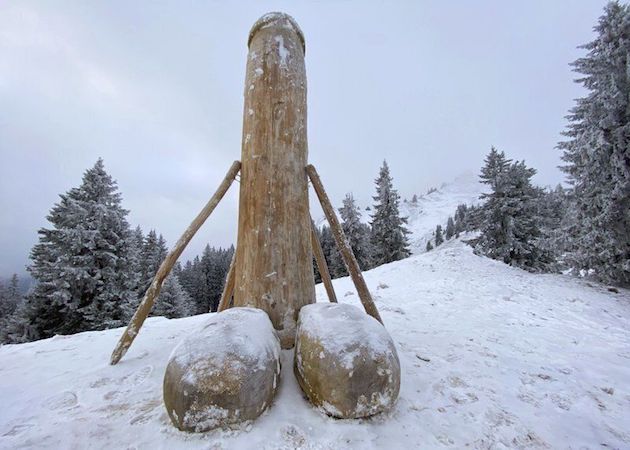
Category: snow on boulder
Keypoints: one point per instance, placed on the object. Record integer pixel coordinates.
(345, 361)
(223, 373)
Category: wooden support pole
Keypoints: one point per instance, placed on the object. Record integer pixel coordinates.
(228, 289)
(154, 289)
(342, 245)
(321, 265)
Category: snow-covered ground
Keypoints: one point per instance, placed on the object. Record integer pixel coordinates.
(491, 356)
(434, 208)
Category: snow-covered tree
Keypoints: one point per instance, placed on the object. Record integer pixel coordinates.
(357, 233)
(9, 296)
(81, 265)
(173, 301)
(450, 228)
(510, 226)
(429, 246)
(389, 234)
(597, 152)
(439, 239)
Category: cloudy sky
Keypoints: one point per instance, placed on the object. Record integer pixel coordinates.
(155, 88)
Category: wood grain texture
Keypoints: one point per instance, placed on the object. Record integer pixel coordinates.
(165, 268)
(343, 246)
(274, 270)
(322, 265)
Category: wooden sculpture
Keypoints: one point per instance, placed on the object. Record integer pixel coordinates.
(272, 267)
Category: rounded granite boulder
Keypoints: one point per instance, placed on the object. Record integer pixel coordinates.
(226, 372)
(345, 361)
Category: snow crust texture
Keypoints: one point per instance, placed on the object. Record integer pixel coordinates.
(223, 373)
(492, 357)
(345, 361)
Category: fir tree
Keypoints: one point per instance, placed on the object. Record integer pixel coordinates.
(173, 301)
(510, 226)
(450, 228)
(597, 153)
(429, 246)
(357, 233)
(439, 239)
(389, 234)
(82, 264)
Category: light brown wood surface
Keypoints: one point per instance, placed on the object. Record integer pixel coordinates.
(274, 270)
(228, 289)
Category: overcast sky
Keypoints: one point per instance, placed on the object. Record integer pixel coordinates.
(155, 89)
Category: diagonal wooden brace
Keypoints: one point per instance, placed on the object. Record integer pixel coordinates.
(342, 245)
(156, 285)
(321, 264)
(228, 289)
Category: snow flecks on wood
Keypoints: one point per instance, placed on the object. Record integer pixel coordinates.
(274, 222)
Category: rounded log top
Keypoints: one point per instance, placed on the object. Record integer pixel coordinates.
(279, 20)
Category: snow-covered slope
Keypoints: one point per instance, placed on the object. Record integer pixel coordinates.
(491, 356)
(434, 209)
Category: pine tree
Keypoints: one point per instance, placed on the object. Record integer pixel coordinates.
(357, 233)
(439, 239)
(510, 224)
(450, 228)
(153, 252)
(173, 301)
(597, 153)
(429, 246)
(389, 234)
(9, 296)
(82, 264)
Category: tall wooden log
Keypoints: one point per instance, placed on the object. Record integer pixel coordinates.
(342, 244)
(321, 265)
(156, 285)
(274, 270)
(228, 289)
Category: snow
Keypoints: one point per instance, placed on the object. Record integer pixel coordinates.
(246, 332)
(282, 50)
(434, 208)
(491, 357)
(340, 326)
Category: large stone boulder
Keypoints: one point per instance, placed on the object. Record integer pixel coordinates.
(223, 373)
(345, 361)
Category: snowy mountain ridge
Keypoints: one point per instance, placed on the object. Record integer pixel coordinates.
(434, 208)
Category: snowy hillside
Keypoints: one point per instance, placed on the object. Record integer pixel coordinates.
(491, 356)
(434, 209)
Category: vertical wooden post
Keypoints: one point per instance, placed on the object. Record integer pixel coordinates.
(274, 270)
(156, 285)
(342, 244)
(228, 289)
(321, 265)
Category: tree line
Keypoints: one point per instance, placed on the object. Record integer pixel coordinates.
(382, 241)
(91, 269)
